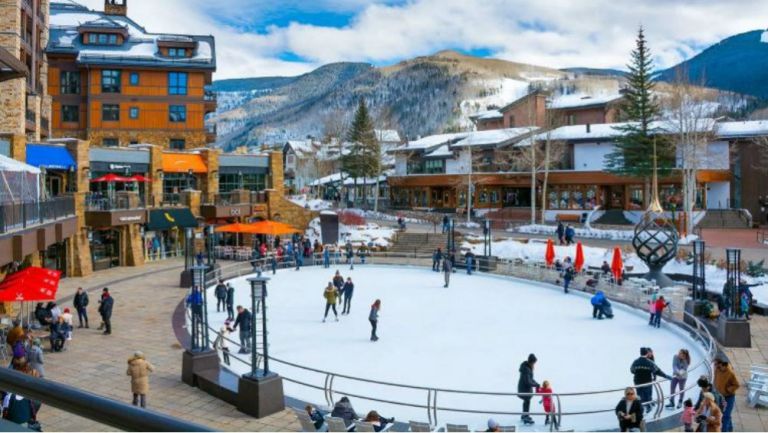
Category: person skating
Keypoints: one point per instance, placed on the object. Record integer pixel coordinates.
(221, 343)
(350, 253)
(244, 320)
(105, 309)
(570, 233)
(139, 369)
(326, 258)
(644, 370)
(436, 256)
(447, 269)
(221, 296)
(726, 383)
(373, 317)
(81, 305)
(331, 294)
(568, 276)
(469, 258)
(680, 363)
(525, 385)
(230, 301)
(629, 411)
(661, 303)
(347, 290)
(549, 406)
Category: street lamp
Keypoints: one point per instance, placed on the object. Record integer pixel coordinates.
(699, 275)
(189, 178)
(259, 298)
(200, 340)
(731, 289)
(209, 242)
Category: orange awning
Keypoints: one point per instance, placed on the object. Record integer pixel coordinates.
(183, 162)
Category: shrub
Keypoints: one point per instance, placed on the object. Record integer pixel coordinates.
(349, 218)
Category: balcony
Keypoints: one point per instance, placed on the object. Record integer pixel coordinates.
(17, 216)
(233, 204)
(210, 133)
(30, 119)
(209, 101)
(119, 208)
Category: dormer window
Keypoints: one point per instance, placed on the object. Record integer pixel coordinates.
(102, 39)
(177, 52)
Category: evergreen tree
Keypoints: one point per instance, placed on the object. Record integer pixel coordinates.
(633, 155)
(363, 158)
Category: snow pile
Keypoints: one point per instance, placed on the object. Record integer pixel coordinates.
(372, 235)
(588, 233)
(764, 37)
(311, 204)
(384, 216)
(469, 225)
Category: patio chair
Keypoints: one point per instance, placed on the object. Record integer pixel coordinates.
(416, 426)
(336, 424)
(457, 428)
(306, 422)
(366, 427)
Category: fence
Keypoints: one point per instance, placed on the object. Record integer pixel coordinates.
(14, 216)
(100, 202)
(426, 398)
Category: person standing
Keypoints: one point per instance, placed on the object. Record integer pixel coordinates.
(726, 383)
(560, 232)
(710, 415)
(244, 320)
(36, 357)
(195, 304)
(680, 363)
(221, 342)
(469, 258)
(105, 309)
(221, 296)
(525, 385)
(570, 233)
(568, 275)
(436, 256)
(338, 283)
(81, 305)
(447, 268)
(139, 369)
(331, 294)
(373, 317)
(644, 370)
(629, 411)
(347, 290)
(326, 258)
(230, 301)
(661, 303)
(445, 223)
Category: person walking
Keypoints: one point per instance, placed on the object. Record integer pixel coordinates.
(568, 276)
(570, 233)
(81, 305)
(560, 232)
(347, 291)
(373, 317)
(221, 296)
(469, 258)
(221, 342)
(525, 385)
(726, 383)
(139, 369)
(447, 269)
(244, 320)
(644, 370)
(445, 223)
(629, 411)
(105, 309)
(230, 301)
(330, 294)
(35, 358)
(680, 363)
(709, 415)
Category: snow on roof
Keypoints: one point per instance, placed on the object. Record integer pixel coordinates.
(748, 128)
(432, 140)
(303, 146)
(387, 135)
(494, 137)
(581, 100)
(336, 178)
(489, 114)
(604, 131)
(764, 37)
(441, 151)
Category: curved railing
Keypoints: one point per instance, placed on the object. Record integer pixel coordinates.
(699, 333)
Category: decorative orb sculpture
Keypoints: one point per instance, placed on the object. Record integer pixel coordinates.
(655, 242)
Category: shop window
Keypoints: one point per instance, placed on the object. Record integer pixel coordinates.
(110, 142)
(110, 81)
(177, 83)
(134, 78)
(70, 113)
(177, 144)
(70, 82)
(177, 113)
(133, 112)
(636, 197)
(434, 166)
(173, 183)
(110, 112)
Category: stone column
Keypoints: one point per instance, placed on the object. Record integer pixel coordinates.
(210, 186)
(191, 199)
(156, 173)
(79, 262)
(131, 245)
(276, 176)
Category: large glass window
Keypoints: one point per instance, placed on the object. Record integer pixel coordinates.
(177, 83)
(433, 166)
(173, 183)
(110, 112)
(250, 181)
(636, 197)
(70, 83)
(177, 144)
(177, 113)
(177, 52)
(571, 197)
(110, 81)
(70, 113)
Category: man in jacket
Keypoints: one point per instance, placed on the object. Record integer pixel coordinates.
(645, 372)
(230, 300)
(343, 409)
(526, 384)
(221, 296)
(726, 383)
(81, 304)
(447, 268)
(436, 256)
(105, 309)
(244, 320)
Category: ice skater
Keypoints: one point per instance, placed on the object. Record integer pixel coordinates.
(436, 256)
(525, 386)
(338, 283)
(661, 304)
(346, 291)
(373, 317)
(447, 268)
(330, 294)
(567, 277)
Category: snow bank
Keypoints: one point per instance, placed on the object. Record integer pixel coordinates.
(312, 204)
(592, 233)
(371, 234)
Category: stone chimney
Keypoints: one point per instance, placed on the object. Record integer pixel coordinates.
(116, 7)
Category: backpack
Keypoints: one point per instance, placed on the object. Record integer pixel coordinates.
(19, 411)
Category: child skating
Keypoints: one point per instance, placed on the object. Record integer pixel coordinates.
(330, 294)
(373, 317)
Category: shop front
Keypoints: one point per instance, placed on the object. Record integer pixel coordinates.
(164, 235)
(57, 166)
(131, 165)
(115, 237)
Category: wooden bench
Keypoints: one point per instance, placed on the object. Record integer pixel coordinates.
(566, 217)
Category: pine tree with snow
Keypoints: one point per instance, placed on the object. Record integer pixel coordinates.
(363, 159)
(633, 155)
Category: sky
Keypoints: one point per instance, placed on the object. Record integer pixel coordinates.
(290, 37)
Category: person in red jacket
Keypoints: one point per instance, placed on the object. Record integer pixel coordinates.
(661, 303)
(546, 400)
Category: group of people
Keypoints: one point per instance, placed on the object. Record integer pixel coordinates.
(343, 409)
(341, 291)
(565, 234)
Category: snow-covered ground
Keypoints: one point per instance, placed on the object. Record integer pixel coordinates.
(592, 233)
(471, 336)
(310, 203)
(371, 234)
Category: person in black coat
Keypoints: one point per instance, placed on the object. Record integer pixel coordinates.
(244, 319)
(105, 309)
(347, 291)
(629, 411)
(81, 304)
(560, 233)
(526, 384)
(221, 296)
(343, 409)
(230, 300)
(644, 372)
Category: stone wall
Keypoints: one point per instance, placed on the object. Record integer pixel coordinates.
(162, 139)
(79, 261)
(155, 171)
(131, 246)
(210, 186)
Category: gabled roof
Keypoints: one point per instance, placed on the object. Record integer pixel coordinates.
(517, 101)
(608, 131)
(431, 141)
(487, 115)
(581, 100)
(494, 137)
(744, 129)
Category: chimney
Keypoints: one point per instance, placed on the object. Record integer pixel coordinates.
(589, 128)
(116, 7)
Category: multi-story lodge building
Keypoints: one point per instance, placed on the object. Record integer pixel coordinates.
(114, 83)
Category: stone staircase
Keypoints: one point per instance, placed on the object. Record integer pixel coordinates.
(421, 243)
(725, 218)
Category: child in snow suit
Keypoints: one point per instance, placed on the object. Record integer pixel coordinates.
(689, 413)
(330, 294)
(546, 400)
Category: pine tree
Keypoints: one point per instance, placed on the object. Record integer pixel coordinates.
(363, 159)
(633, 155)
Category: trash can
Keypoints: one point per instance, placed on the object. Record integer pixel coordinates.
(487, 263)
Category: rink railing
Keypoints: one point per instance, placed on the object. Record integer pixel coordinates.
(629, 293)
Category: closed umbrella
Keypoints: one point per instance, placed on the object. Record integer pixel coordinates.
(549, 256)
(579, 262)
(617, 264)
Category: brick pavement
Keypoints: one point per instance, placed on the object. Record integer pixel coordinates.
(746, 418)
(141, 320)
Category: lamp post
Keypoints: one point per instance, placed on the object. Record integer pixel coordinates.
(209, 242)
(189, 178)
(731, 289)
(259, 299)
(699, 275)
(186, 275)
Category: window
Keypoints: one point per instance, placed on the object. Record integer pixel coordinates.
(177, 113)
(134, 79)
(102, 38)
(433, 166)
(173, 183)
(110, 81)
(177, 83)
(110, 142)
(133, 112)
(110, 112)
(177, 52)
(70, 113)
(112, 39)
(93, 38)
(249, 181)
(177, 143)
(70, 83)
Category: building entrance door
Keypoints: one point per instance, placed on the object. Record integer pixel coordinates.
(615, 197)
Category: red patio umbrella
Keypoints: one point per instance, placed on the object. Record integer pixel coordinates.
(549, 255)
(31, 284)
(111, 177)
(579, 262)
(139, 178)
(617, 265)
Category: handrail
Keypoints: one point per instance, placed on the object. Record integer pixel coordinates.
(700, 334)
(92, 406)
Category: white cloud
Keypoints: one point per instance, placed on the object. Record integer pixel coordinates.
(556, 33)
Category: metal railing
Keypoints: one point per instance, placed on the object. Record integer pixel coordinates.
(326, 380)
(762, 236)
(100, 202)
(15, 216)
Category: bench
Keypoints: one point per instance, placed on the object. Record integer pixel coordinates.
(566, 217)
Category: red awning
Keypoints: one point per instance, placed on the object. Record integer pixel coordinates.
(139, 178)
(31, 284)
(113, 178)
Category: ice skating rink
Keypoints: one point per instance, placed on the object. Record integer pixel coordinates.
(471, 336)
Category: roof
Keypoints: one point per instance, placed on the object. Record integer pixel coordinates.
(536, 92)
(301, 146)
(749, 128)
(580, 100)
(487, 115)
(50, 156)
(442, 151)
(431, 141)
(494, 137)
(139, 49)
(183, 162)
(607, 131)
(10, 164)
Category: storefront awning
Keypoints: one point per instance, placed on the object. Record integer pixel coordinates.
(183, 162)
(164, 219)
(50, 157)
